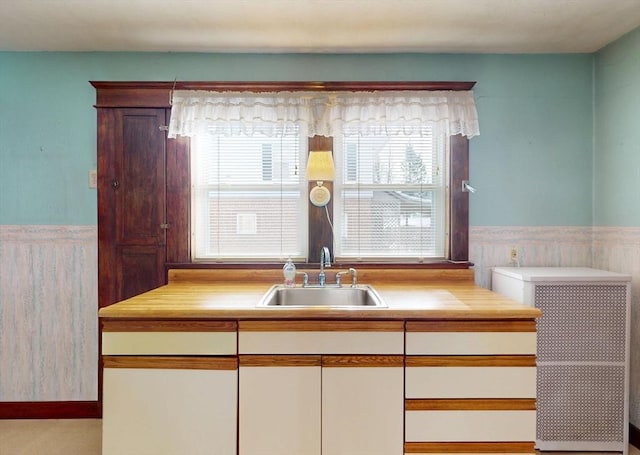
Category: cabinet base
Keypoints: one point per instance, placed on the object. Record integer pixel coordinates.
(50, 410)
(581, 446)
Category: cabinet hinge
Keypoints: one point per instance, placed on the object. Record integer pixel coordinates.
(163, 127)
(164, 226)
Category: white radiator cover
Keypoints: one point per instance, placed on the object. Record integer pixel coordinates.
(582, 353)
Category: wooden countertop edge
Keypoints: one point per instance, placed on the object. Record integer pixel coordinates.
(307, 313)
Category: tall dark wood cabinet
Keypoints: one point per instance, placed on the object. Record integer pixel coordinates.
(132, 221)
(138, 192)
(131, 201)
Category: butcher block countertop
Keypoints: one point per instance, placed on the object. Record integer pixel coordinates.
(234, 294)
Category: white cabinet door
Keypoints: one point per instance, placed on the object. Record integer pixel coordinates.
(169, 406)
(321, 387)
(362, 405)
(280, 405)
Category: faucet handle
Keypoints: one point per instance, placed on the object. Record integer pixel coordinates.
(305, 278)
(354, 277)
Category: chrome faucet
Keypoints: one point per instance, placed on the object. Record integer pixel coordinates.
(325, 261)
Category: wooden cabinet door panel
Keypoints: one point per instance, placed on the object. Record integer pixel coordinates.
(139, 183)
(131, 202)
(139, 269)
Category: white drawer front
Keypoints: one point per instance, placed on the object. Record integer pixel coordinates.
(428, 426)
(169, 343)
(470, 382)
(470, 343)
(321, 342)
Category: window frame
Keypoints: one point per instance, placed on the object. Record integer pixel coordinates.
(135, 94)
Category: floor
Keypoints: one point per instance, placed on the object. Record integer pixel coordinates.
(51, 437)
(79, 437)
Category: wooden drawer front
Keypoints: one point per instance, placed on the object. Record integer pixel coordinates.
(470, 425)
(471, 343)
(171, 362)
(169, 343)
(332, 337)
(470, 377)
(475, 448)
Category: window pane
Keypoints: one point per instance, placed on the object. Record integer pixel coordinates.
(249, 201)
(251, 224)
(391, 196)
(380, 223)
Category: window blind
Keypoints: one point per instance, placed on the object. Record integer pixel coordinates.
(391, 195)
(249, 197)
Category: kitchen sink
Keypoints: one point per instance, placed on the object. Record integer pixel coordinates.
(328, 296)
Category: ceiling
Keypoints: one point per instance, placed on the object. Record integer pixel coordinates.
(317, 26)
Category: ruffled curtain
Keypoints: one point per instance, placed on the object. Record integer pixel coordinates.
(390, 113)
(196, 112)
(321, 113)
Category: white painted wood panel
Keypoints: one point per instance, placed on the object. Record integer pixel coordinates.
(457, 426)
(169, 412)
(470, 343)
(280, 410)
(471, 382)
(362, 411)
(169, 343)
(379, 343)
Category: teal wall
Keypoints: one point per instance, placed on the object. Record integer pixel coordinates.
(532, 163)
(617, 133)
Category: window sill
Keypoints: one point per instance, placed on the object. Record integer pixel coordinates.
(278, 265)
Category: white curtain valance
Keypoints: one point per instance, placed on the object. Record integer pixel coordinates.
(321, 113)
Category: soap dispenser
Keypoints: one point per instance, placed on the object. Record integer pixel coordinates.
(289, 274)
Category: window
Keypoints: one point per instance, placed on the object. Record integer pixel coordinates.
(390, 200)
(248, 196)
(397, 195)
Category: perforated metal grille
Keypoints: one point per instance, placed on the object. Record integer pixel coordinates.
(580, 403)
(581, 322)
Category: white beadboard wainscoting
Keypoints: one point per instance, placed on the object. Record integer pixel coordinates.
(609, 248)
(48, 297)
(618, 249)
(490, 246)
(48, 313)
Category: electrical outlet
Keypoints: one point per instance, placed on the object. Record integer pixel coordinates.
(93, 178)
(513, 254)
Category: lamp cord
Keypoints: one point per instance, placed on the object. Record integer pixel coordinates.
(329, 220)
